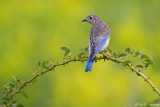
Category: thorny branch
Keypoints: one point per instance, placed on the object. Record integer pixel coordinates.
(69, 59)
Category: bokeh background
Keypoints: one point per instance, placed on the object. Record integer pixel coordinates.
(32, 30)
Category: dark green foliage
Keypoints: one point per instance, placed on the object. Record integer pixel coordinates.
(10, 89)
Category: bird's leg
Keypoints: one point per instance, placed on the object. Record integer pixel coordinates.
(95, 59)
(103, 55)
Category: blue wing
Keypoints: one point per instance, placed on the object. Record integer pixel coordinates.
(97, 44)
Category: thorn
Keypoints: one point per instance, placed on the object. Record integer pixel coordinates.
(154, 89)
(132, 69)
(24, 82)
(146, 79)
(138, 74)
(115, 59)
(52, 64)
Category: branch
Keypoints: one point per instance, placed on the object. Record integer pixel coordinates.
(126, 63)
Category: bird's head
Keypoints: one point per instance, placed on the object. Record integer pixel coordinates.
(92, 19)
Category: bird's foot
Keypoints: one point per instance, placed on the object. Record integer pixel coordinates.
(95, 59)
(104, 56)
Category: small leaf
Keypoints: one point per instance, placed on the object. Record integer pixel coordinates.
(8, 93)
(24, 94)
(145, 57)
(122, 54)
(10, 85)
(137, 53)
(65, 50)
(43, 64)
(38, 63)
(13, 101)
(114, 54)
(15, 78)
(139, 66)
(148, 61)
(128, 50)
(132, 51)
(110, 51)
(146, 64)
(5, 99)
(81, 54)
(5, 103)
(126, 62)
(86, 49)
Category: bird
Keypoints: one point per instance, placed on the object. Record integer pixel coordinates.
(99, 38)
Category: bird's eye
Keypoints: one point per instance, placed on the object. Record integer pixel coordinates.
(91, 17)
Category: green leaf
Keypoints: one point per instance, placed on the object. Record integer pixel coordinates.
(139, 66)
(43, 64)
(114, 54)
(80, 55)
(86, 49)
(145, 57)
(65, 50)
(13, 101)
(5, 103)
(24, 94)
(10, 86)
(5, 99)
(8, 93)
(146, 64)
(137, 53)
(110, 51)
(122, 54)
(128, 50)
(148, 61)
(16, 78)
(126, 62)
(38, 63)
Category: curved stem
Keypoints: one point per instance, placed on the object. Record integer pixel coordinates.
(138, 72)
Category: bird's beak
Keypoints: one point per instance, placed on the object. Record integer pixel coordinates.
(84, 20)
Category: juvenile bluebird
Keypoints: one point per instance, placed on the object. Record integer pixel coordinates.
(99, 38)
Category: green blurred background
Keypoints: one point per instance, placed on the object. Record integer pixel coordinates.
(32, 30)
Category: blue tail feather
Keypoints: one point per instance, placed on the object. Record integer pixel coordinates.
(89, 65)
